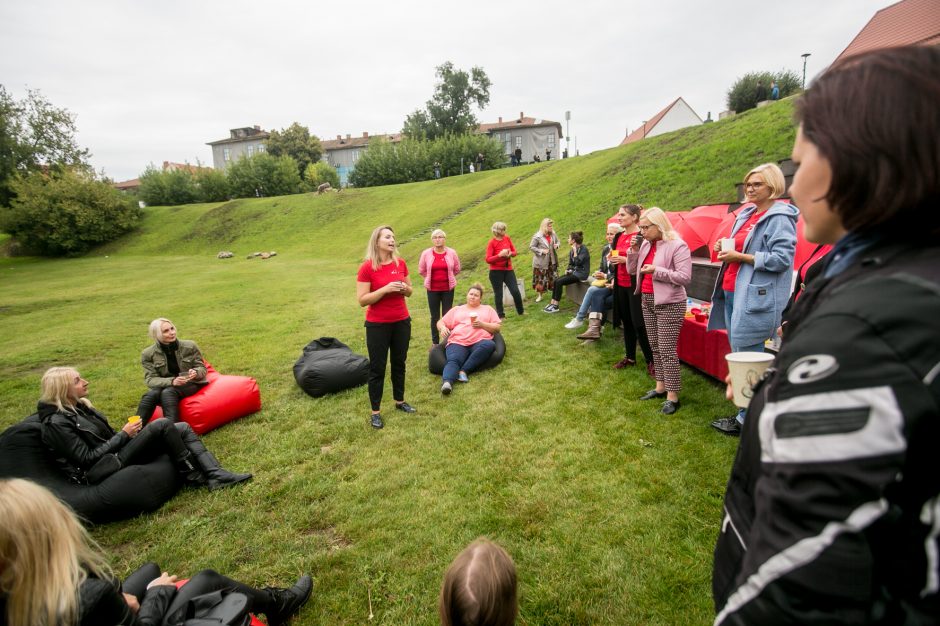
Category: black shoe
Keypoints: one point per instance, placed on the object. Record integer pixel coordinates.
(670, 407)
(407, 408)
(286, 602)
(728, 425)
(377, 421)
(652, 394)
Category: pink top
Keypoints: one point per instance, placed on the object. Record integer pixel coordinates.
(427, 259)
(673, 269)
(458, 321)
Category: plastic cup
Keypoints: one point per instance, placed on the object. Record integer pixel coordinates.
(746, 368)
(615, 252)
(133, 419)
(473, 319)
(727, 245)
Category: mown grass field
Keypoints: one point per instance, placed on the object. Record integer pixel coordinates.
(609, 509)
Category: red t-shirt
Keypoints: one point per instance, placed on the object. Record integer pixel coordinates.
(646, 286)
(623, 245)
(731, 274)
(493, 249)
(439, 274)
(392, 307)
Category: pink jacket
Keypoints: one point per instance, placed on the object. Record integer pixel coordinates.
(453, 266)
(673, 263)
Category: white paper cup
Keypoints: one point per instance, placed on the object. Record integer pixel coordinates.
(727, 245)
(746, 368)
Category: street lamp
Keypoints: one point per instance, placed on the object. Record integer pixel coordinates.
(567, 131)
(804, 55)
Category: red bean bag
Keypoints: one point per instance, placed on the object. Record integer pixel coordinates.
(224, 399)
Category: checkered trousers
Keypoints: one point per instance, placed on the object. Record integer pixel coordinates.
(663, 323)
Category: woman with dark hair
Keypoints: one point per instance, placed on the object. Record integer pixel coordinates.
(831, 512)
(627, 301)
(173, 370)
(53, 574)
(479, 588)
(579, 266)
(468, 330)
(382, 284)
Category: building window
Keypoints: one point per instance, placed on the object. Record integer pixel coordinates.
(519, 141)
(251, 150)
(261, 148)
(551, 140)
(355, 156)
(226, 154)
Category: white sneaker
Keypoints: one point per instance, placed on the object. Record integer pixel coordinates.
(575, 323)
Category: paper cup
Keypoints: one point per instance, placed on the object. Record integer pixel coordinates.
(133, 419)
(746, 368)
(614, 252)
(727, 245)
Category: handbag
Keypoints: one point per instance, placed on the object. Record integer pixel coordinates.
(104, 467)
(214, 609)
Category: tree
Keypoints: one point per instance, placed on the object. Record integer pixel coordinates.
(449, 109)
(743, 93)
(295, 141)
(263, 175)
(34, 135)
(66, 212)
(211, 185)
(319, 173)
(167, 187)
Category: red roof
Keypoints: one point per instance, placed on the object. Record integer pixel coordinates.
(644, 130)
(517, 122)
(909, 22)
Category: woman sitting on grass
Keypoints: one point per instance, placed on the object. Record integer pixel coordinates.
(579, 266)
(173, 369)
(468, 330)
(53, 574)
(479, 588)
(89, 450)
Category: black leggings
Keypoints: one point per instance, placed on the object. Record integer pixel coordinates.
(166, 397)
(498, 278)
(560, 282)
(382, 339)
(440, 302)
(629, 307)
(160, 436)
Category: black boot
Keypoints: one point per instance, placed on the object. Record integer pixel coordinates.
(191, 474)
(286, 602)
(217, 476)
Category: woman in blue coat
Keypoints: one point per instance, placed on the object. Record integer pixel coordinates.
(754, 283)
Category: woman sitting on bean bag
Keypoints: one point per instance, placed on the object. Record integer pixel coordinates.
(173, 369)
(468, 330)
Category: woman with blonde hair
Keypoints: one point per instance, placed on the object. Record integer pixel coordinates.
(499, 253)
(479, 587)
(544, 247)
(439, 265)
(662, 267)
(173, 370)
(89, 450)
(382, 284)
(53, 574)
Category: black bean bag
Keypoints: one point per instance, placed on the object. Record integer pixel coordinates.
(127, 493)
(437, 357)
(328, 365)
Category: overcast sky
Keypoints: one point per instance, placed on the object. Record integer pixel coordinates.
(154, 81)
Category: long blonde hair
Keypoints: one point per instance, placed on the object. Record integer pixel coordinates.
(372, 250)
(479, 587)
(657, 218)
(45, 556)
(56, 384)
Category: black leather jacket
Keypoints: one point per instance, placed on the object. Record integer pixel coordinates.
(78, 438)
(101, 602)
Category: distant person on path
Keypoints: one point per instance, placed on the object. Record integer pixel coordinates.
(480, 160)
(382, 285)
(760, 93)
(173, 369)
(439, 265)
(544, 246)
(437, 169)
(479, 588)
(774, 90)
(518, 154)
(579, 265)
(536, 158)
(471, 168)
(468, 330)
(548, 154)
(627, 301)
(499, 253)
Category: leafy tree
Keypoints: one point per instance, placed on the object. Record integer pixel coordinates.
(297, 142)
(167, 187)
(743, 93)
(263, 175)
(319, 173)
(211, 185)
(34, 135)
(66, 212)
(449, 109)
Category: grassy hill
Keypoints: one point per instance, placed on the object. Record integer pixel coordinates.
(609, 508)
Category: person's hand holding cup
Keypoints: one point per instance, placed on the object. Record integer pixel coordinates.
(133, 426)
(474, 321)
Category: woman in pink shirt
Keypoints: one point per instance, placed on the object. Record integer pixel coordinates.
(468, 330)
(439, 265)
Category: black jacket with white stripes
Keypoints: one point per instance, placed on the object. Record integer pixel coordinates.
(832, 509)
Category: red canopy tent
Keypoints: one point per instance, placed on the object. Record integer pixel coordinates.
(696, 225)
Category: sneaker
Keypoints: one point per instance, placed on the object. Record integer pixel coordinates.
(407, 408)
(728, 425)
(551, 308)
(286, 602)
(462, 377)
(377, 421)
(653, 394)
(670, 407)
(446, 388)
(574, 323)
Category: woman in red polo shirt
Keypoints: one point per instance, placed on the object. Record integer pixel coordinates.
(382, 285)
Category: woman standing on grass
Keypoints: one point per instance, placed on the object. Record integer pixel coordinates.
(626, 299)
(382, 286)
(662, 267)
(439, 265)
(499, 253)
(173, 369)
(53, 574)
(544, 247)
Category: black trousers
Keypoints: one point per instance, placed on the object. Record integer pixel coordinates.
(630, 309)
(560, 282)
(166, 397)
(158, 437)
(440, 302)
(498, 278)
(383, 339)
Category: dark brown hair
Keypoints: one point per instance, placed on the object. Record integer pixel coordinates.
(479, 588)
(577, 236)
(636, 209)
(875, 117)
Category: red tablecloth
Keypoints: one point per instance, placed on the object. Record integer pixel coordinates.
(704, 350)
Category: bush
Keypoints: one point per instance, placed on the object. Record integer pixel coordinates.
(211, 185)
(167, 187)
(263, 175)
(319, 173)
(66, 212)
(743, 93)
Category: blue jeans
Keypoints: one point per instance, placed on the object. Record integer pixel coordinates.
(756, 347)
(466, 358)
(586, 303)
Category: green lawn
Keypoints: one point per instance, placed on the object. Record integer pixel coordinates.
(609, 509)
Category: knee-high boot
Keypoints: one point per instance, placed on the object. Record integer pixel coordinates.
(217, 477)
(191, 474)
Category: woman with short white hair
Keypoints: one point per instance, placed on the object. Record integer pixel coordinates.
(439, 265)
(173, 369)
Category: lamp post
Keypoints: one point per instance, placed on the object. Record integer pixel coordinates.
(804, 55)
(567, 131)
